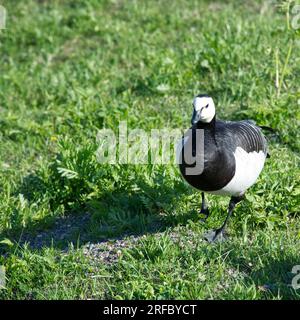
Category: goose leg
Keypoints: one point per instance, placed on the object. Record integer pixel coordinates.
(204, 210)
(219, 234)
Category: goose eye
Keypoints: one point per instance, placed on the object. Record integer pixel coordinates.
(206, 106)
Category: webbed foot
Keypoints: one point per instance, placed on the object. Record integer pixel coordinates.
(213, 236)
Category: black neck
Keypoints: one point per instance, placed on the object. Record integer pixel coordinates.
(207, 126)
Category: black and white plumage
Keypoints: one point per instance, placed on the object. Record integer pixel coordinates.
(234, 155)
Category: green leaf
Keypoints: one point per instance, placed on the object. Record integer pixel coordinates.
(7, 242)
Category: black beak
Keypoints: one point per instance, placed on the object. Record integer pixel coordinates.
(193, 120)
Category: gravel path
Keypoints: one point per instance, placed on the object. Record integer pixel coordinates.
(74, 229)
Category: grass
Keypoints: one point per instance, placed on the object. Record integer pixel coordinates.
(70, 68)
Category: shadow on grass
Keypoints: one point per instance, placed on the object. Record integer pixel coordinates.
(113, 216)
(275, 278)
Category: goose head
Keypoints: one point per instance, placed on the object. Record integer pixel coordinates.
(204, 109)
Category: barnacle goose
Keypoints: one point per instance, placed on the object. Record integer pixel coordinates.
(233, 155)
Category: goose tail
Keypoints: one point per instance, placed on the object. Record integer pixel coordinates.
(268, 129)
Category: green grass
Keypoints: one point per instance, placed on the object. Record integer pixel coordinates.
(70, 68)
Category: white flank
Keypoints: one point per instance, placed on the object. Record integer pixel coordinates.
(248, 166)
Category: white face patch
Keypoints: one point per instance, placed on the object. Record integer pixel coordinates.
(204, 108)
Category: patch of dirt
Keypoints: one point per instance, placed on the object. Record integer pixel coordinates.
(110, 250)
(74, 229)
(65, 230)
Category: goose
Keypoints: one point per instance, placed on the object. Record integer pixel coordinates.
(221, 158)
